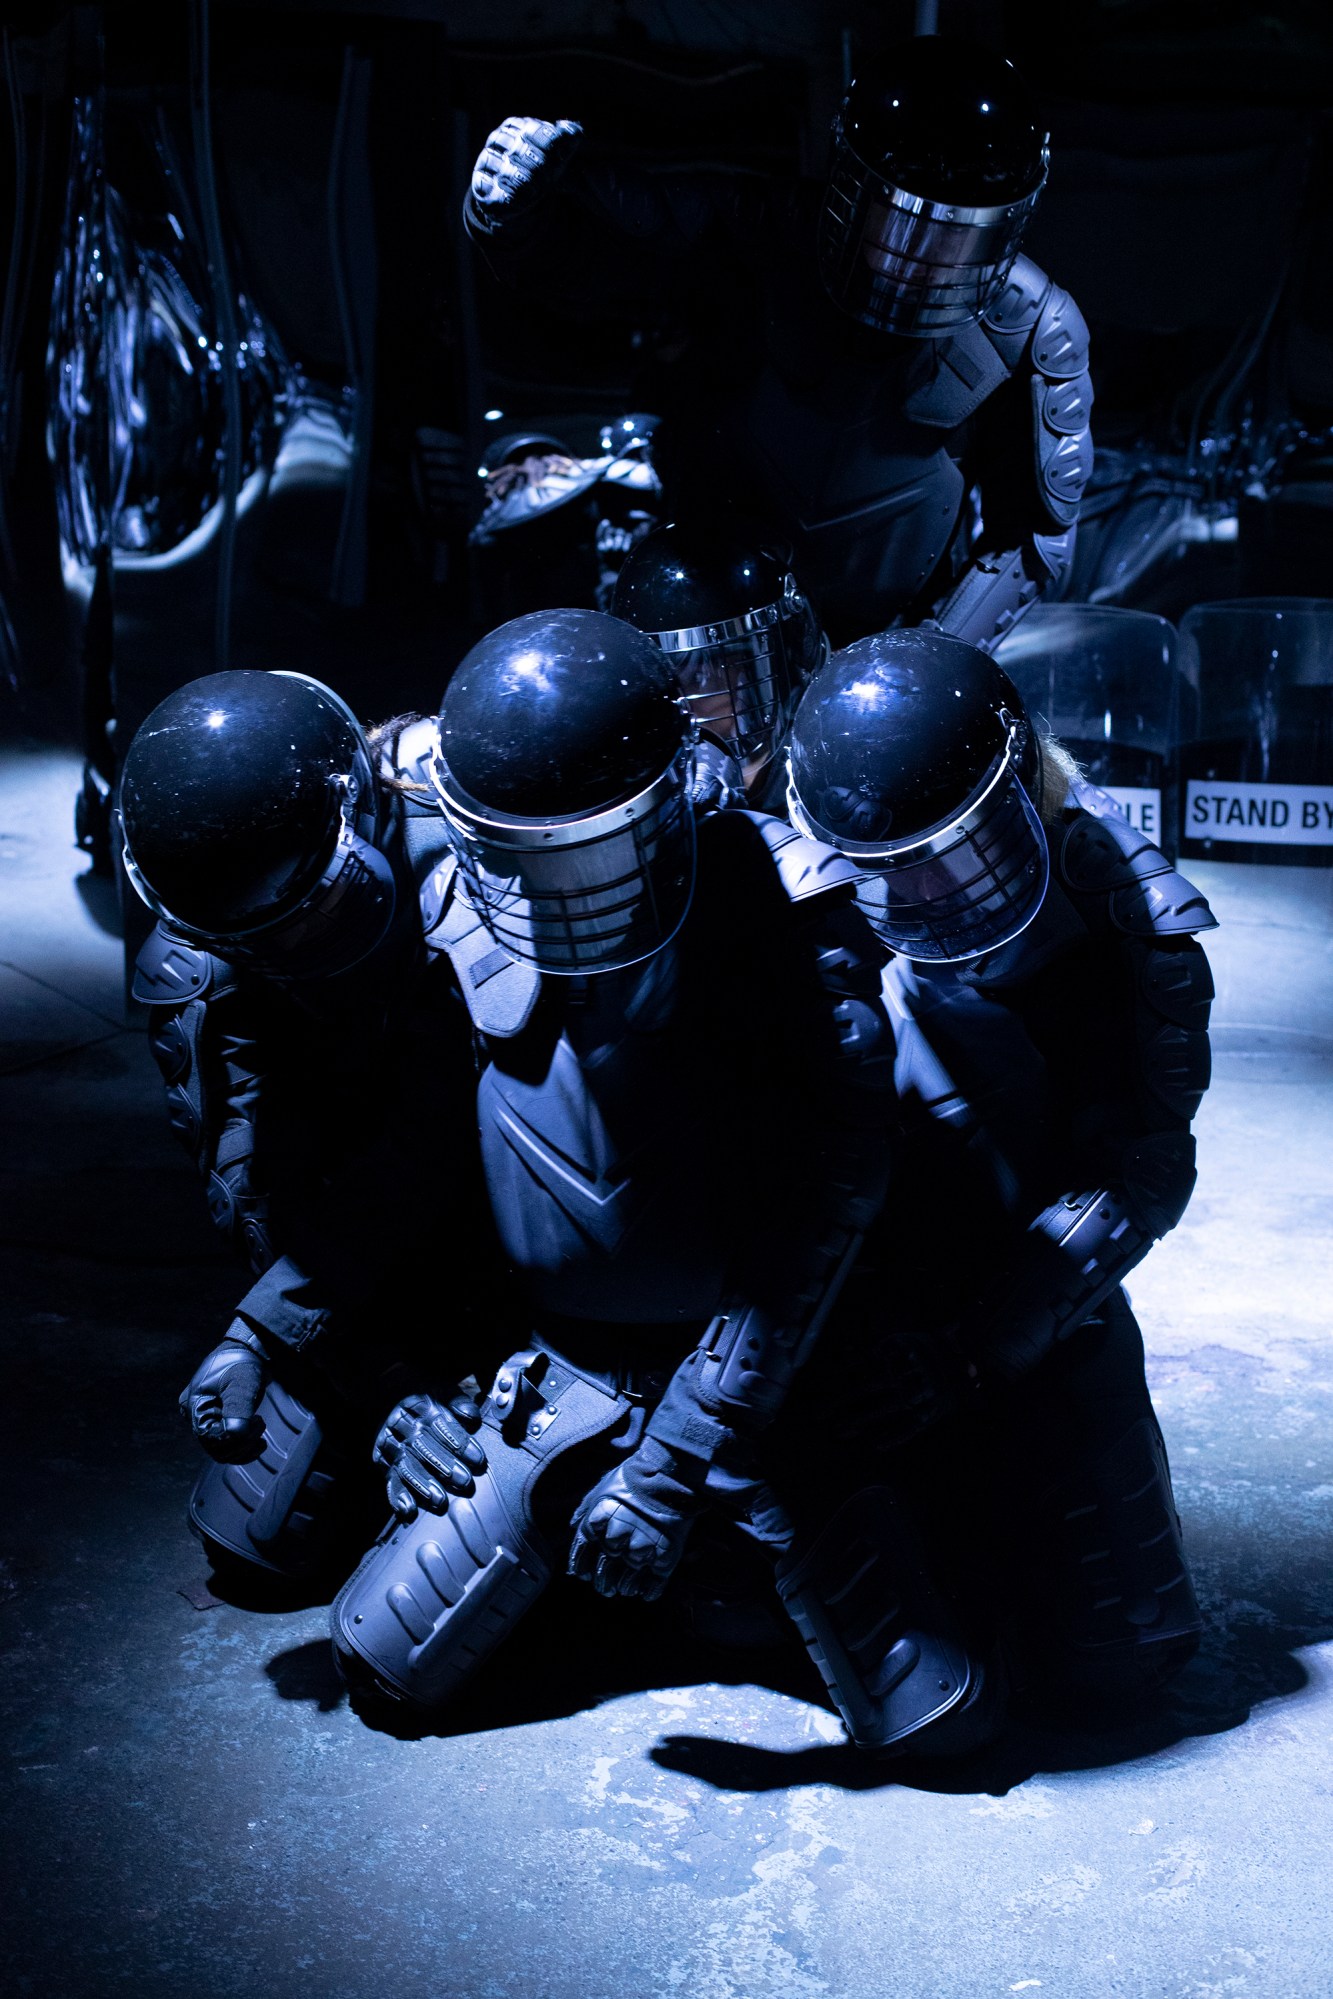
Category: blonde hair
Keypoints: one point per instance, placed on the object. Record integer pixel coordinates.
(1058, 770)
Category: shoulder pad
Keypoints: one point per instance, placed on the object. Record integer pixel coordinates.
(1010, 319)
(425, 841)
(805, 867)
(955, 375)
(168, 971)
(1146, 895)
(1060, 343)
(412, 752)
(498, 991)
(435, 893)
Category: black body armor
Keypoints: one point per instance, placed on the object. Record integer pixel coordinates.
(859, 449)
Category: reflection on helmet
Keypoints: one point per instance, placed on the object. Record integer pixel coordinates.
(938, 161)
(739, 631)
(907, 754)
(248, 803)
(563, 773)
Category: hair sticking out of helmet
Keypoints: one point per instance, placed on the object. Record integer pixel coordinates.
(563, 773)
(939, 157)
(908, 753)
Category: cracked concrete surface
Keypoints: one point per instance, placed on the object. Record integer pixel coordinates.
(192, 1807)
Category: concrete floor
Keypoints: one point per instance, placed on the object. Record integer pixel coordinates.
(192, 1807)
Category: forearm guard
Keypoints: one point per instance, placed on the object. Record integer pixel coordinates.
(990, 596)
(213, 1081)
(1076, 1252)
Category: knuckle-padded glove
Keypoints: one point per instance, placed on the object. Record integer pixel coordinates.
(520, 163)
(631, 1530)
(425, 1447)
(221, 1400)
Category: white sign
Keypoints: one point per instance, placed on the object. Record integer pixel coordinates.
(1143, 809)
(1279, 815)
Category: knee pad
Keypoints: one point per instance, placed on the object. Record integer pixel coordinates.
(436, 1595)
(298, 1509)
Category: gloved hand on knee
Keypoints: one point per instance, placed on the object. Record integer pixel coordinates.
(425, 1448)
(631, 1530)
(221, 1401)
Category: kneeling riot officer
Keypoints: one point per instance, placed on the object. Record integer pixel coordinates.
(743, 639)
(1051, 1007)
(686, 1122)
(869, 366)
(278, 860)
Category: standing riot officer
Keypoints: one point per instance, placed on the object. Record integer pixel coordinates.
(743, 639)
(873, 370)
(686, 1119)
(1051, 1003)
(278, 859)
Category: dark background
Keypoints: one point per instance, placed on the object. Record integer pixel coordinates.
(1189, 210)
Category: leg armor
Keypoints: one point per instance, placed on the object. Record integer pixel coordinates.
(885, 1640)
(1099, 1535)
(296, 1509)
(1121, 1615)
(436, 1595)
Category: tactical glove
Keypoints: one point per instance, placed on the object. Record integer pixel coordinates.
(520, 162)
(630, 1531)
(426, 1450)
(221, 1401)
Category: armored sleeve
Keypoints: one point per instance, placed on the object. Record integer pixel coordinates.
(835, 1173)
(1123, 1023)
(1033, 457)
(205, 1036)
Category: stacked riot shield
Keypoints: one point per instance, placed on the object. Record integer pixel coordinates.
(1258, 772)
(1109, 684)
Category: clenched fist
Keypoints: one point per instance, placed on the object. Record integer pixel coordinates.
(631, 1530)
(221, 1401)
(519, 164)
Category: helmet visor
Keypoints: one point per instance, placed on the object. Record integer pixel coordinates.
(903, 264)
(580, 895)
(966, 887)
(336, 924)
(741, 676)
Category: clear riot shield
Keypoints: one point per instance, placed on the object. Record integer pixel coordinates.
(1258, 772)
(1108, 684)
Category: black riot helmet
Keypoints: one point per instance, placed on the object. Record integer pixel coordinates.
(939, 156)
(249, 808)
(912, 754)
(736, 626)
(563, 771)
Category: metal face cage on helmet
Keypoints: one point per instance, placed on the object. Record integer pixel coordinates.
(938, 160)
(908, 754)
(563, 773)
(249, 809)
(736, 626)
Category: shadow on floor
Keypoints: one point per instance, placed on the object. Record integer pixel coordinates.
(592, 1652)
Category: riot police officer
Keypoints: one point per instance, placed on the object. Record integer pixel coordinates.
(872, 369)
(276, 848)
(686, 1122)
(1051, 1002)
(743, 638)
